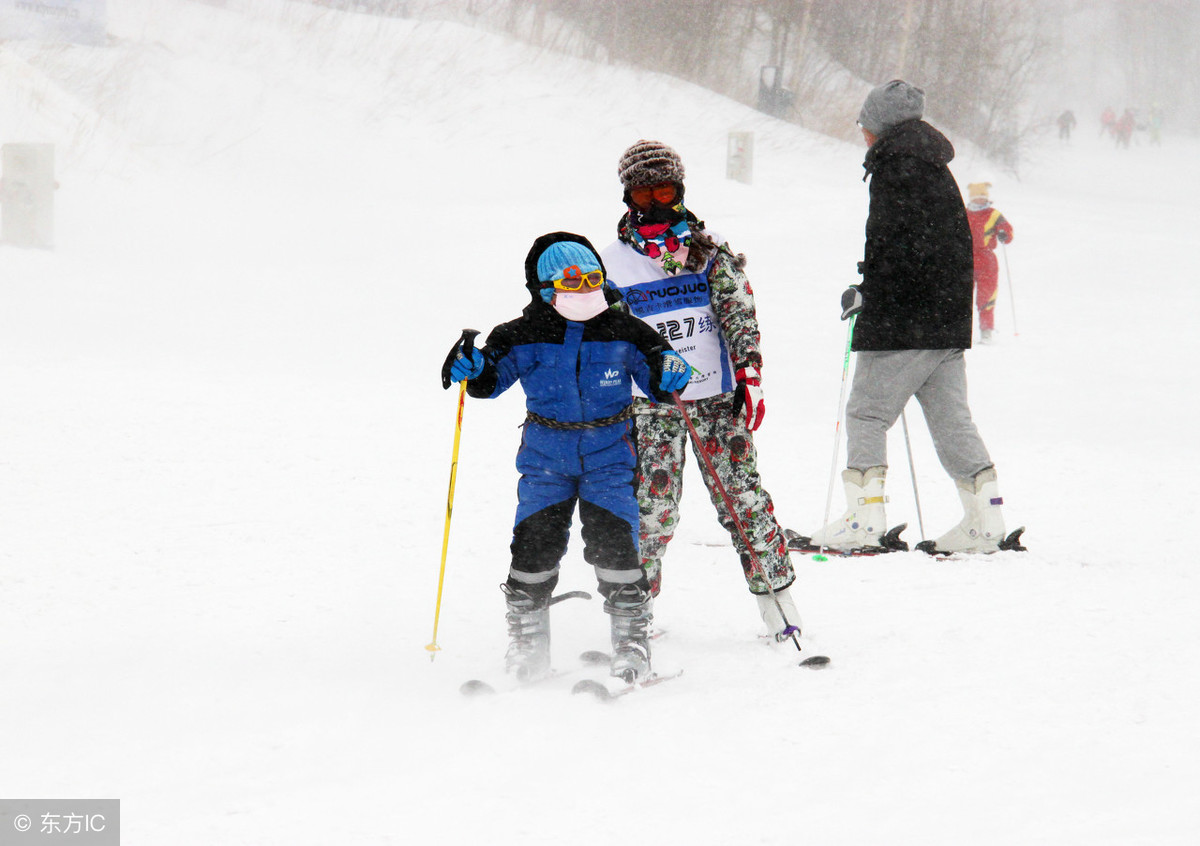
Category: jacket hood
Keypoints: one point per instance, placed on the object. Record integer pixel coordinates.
(540, 246)
(913, 138)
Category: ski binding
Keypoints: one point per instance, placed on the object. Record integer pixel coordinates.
(1012, 543)
(890, 541)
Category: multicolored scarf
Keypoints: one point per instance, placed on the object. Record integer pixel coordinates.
(676, 246)
(665, 242)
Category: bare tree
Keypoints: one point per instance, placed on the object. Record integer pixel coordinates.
(976, 59)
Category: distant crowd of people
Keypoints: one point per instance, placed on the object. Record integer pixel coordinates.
(1121, 128)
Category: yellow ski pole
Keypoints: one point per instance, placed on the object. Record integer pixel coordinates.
(465, 343)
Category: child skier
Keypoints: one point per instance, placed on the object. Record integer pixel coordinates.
(684, 280)
(987, 227)
(576, 359)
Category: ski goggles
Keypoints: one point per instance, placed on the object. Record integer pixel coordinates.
(664, 192)
(575, 280)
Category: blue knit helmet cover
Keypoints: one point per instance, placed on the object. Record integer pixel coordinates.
(562, 255)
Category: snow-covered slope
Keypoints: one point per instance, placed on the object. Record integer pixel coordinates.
(224, 454)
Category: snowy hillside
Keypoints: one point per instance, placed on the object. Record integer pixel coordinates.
(224, 452)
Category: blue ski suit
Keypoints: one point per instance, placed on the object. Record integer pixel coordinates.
(577, 442)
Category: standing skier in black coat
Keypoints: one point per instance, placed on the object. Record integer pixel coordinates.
(913, 322)
(918, 281)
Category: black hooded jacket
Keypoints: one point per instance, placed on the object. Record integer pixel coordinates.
(540, 328)
(917, 267)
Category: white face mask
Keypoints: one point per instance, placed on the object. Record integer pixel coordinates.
(580, 306)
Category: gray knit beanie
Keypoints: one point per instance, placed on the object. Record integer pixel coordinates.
(649, 163)
(891, 104)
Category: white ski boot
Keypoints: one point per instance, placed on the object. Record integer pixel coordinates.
(865, 520)
(528, 655)
(630, 612)
(770, 613)
(982, 526)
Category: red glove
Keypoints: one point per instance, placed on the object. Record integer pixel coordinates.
(750, 396)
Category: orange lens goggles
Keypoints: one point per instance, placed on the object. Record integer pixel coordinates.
(579, 281)
(664, 192)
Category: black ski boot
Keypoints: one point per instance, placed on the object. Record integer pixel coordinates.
(629, 609)
(528, 655)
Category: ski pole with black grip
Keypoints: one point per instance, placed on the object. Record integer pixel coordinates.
(464, 346)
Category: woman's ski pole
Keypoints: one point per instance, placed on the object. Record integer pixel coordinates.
(912, 468)
(837, 428)
(1008, 274)
(789, 630)
(466, 341)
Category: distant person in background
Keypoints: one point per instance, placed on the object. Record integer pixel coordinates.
(1124, 128)
(685, 281)
(1154, 124)
(913, 322)
(1066, 122)
(988, 227)
(1108, 121)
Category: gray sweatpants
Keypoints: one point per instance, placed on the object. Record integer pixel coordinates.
(883, 383)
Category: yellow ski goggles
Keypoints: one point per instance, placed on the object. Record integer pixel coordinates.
(575, 280)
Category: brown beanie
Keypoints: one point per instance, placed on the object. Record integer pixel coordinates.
(649, 163)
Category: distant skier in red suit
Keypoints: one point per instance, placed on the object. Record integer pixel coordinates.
(987, 227)
(1108, 122)
(1124, 128)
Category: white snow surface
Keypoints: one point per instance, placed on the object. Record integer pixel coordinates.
(225, 453)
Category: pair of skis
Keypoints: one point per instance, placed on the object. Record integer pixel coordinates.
(890, 542)
(596, 658)
(606, 694)
(594, 687)
(591, 658)
(597, 688)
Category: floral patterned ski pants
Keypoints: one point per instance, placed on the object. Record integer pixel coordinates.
(661, 438)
